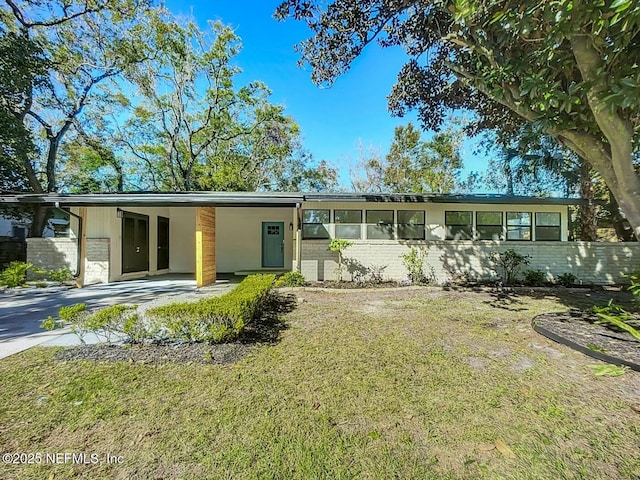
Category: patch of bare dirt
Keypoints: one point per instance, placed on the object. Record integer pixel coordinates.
(580, 328)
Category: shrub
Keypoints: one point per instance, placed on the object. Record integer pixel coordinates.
(135, 328)
(108, 321)
(616, 316)
(534, 278)
(291, 279)
(15, 275)
(634, 288)
(214, 319)
(415, 261)
(51, 323)
(509, 262)
(60, 276)
(375, 273)
(567, 279)
(75, 316)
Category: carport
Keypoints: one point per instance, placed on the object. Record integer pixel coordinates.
(122, 236)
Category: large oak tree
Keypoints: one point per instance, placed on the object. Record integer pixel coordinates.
(571, 67)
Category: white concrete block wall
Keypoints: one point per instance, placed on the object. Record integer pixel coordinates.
(97, 261)
(591, 263)
(53, 253)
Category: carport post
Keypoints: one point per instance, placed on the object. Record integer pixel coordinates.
(205, 246)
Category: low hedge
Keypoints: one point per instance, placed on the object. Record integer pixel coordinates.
(216, 319)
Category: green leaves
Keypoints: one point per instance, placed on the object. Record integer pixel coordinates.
(620, 5)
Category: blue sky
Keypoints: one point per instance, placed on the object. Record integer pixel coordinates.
(333, 121)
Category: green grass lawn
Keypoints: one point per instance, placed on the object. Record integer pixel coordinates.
(364, 385)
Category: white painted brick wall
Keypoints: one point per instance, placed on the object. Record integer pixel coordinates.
(53, 253)
(591, 263)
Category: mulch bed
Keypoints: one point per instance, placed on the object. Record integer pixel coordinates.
(158, 354)
(577, 329)
(354, 285)
(261, 331)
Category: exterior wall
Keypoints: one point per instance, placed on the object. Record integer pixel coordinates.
(239, 236)
(205, 246)
(182, 239)
(599, 263)
(96, 267)
(53, 253)
(435, 213)
(104, 229)
(591, 263)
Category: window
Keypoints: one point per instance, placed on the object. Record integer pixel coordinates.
(459, 225)
(19, 232)
(314, 223)
(489, 225)
(380, 224)
(347, 223)
(548, 227)
(518, 226)
(410, 225)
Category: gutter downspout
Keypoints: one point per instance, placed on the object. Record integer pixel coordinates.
(298, 239)
(79, 245)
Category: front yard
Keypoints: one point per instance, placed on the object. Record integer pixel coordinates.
(417, 383)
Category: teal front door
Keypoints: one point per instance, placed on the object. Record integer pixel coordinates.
(273, 244)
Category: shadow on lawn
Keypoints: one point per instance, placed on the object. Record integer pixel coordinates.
(574, 298)
(267, 328)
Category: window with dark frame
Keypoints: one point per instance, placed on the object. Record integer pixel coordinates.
(314, 222)
(348, 224)
(411, 224)
(489, 226)
(548, 227)
(379, 224)
(459, 225)
(519, 226)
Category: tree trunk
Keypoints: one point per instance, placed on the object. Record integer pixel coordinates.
(623, 232)
(54, 142)
(39, 221)
(588, 211)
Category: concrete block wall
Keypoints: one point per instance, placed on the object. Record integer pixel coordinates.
(53, 253)
(591, 263)
(96, 269)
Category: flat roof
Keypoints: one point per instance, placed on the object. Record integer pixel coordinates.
(272, 199)
(156, 199)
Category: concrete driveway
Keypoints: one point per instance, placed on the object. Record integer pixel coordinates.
(21, 314)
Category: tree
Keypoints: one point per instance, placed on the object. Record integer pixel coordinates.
(414, 165)
(21, 67)
(568, 66)
(83, 45)
(194, 128)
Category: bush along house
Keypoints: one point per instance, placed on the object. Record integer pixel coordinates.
(114, 237)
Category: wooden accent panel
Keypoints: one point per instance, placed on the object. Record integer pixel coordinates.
(205, 246)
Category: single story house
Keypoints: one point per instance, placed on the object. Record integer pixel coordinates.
(123, 236)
